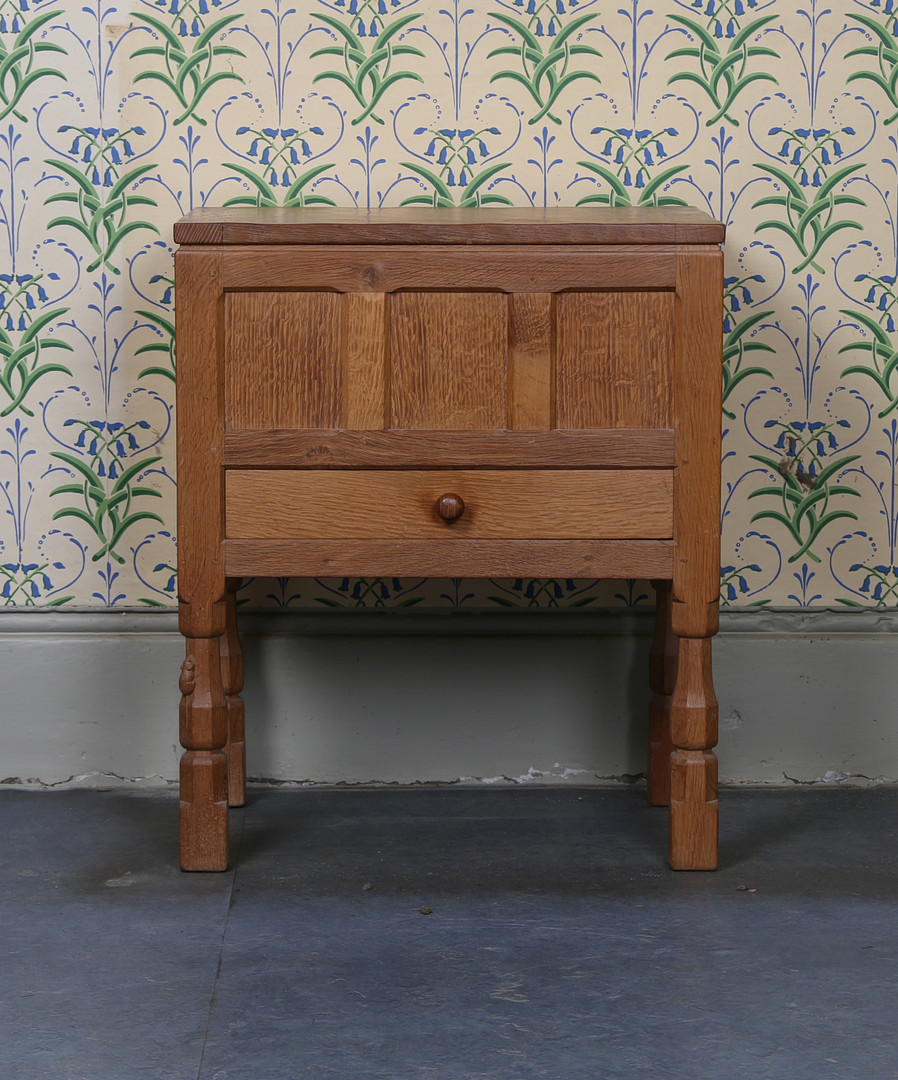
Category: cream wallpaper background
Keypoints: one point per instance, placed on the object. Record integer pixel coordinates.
(779, 117)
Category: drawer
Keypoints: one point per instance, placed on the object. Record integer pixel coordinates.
(497, 504)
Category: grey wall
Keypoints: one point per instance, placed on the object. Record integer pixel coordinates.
(92, 698)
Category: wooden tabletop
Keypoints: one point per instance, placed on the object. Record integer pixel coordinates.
(426, 225)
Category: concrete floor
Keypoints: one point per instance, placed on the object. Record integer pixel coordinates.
(449, 933)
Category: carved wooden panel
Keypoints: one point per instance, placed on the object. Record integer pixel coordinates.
(613, 359)
(448, 360)
(364, 334)
(531, 361)
(283, 360)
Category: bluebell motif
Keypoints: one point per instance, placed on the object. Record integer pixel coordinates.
(369, 592)
(546, 592)
(777, 119)
(874, 577)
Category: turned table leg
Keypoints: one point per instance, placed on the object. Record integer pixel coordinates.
(232, 681)
(693, 764)
(662, 674)
(204, 764)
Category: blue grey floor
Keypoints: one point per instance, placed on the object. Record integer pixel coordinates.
(449, 933)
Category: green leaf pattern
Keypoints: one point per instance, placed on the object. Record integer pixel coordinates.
(779, 118)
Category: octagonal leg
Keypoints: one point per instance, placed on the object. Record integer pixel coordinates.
(232, 681)
(662, 676)
(693, 764)
(204, 764)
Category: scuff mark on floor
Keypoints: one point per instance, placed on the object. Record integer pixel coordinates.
(90, 780)
(834, 777)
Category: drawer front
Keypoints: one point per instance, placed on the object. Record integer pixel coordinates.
(512, 504)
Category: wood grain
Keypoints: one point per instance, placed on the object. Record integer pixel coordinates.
(204, 766)
(697, 393)
(693, 709)
(422, 225)
(693, 778)
(608, 448)
(693, 840)
(364, 341)
(500, 269)
(531, 361)
(448, 360)
(662, 679)
(231, 653)
(696, 578)
(203, 811)
(283, 360)
(200, 444)
(613, 359)
(451, 558)
(280, 504)
(450, 506)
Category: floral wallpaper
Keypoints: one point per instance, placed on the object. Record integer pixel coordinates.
(777, 116)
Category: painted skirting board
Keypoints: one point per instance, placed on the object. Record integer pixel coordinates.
(91, 698)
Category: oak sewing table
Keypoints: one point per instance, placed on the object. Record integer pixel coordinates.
(449, 393)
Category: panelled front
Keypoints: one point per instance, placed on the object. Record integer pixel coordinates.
(450, 359)
(398, 345)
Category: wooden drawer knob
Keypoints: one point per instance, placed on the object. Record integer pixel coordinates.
(450, 506)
